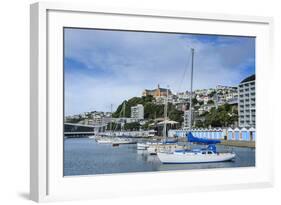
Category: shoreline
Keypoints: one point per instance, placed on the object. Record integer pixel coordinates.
(237, 143)
(231, 143)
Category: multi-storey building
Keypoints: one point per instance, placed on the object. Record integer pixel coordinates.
(247, 102)
(224, 89)
(137, 112)
(97, 119)
(183, 95)
(186, 119)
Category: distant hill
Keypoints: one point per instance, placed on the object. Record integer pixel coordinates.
(151, 110)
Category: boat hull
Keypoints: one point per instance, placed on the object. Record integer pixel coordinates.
(114, 141)
(142, 146)
(103, 141)
(191, 158)
(124, 142)
(155, 148)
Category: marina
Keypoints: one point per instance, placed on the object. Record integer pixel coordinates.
(84, 156)
(167, 128)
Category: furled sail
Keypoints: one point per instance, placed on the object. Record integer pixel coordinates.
(191, 138)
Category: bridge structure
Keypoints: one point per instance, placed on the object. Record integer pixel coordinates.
(77, 129)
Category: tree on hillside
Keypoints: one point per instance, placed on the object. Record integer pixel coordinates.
(175, 115)
(199, 123)
(212, 94)
(194, 101)
(117, 113)
(148, 98)
(152, 111)
(130, 103)
(210, 102)
(224, 116)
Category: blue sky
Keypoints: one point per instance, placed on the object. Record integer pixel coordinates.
(105, 67)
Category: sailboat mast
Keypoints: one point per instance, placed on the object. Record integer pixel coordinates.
(124, 109)
(165, 114)
(124, 114)
(191, 84)
(110, 118)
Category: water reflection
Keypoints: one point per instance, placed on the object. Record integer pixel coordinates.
(86, 157)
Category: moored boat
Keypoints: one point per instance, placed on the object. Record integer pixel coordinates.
(183, 156)
(118, 141)
(146, 145)
(92, 137)
(104, 141)
(142, 146)
(203, 155)
(115, 141)
(194, 156)
(163, 147)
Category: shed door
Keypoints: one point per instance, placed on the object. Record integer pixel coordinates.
(251, 136)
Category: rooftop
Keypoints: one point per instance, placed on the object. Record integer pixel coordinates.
(161, 89)
(248, 79)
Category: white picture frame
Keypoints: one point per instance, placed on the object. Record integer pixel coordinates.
(46, 178)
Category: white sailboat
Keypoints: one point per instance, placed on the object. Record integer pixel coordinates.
(165, 145)
(200, 156)
(123, 139)
(206, 155)
(106, 138)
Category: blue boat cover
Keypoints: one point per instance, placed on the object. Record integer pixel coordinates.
(191, 138)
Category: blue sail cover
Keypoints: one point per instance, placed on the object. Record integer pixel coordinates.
(191, 138)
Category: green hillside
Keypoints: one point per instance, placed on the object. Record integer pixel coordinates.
(151, 110)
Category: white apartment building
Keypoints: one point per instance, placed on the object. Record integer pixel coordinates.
(186, 119)
(183, 95)
(97, 119)
(247, 102)
(137, 112)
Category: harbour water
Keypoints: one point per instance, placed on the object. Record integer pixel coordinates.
(83, 156)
